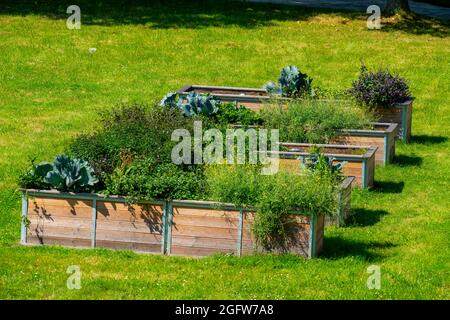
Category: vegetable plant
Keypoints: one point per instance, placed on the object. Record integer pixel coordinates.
(64, 174)
(291, 83)
(197, 103)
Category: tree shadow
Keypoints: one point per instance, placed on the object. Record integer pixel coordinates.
(362, 217)
(417, 24)
(408, 161)
(388, 187)
(165, 14)
(337, 247)
(425, 139)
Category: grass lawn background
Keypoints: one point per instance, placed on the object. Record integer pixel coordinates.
(51, 88)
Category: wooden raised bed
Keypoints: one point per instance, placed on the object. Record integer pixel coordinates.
(360, 159)
(194, 228)
(400, 114)
(252, 98)
(382, 136)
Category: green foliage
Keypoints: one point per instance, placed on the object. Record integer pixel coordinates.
(323, 167)
(272, 197)
(230, 113)
(64, 174)
(130, 131)
(291, 83)
(314, 121)
(146, 179)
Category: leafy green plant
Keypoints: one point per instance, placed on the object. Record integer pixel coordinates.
(134, 130)
(230, 113)
(379, 89)
(197, 103)
(273, 198)
(323, 166)
(315, 121)
(64, 174)
(146, 179)
(291, 83)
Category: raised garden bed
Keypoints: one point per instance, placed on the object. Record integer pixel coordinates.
(251, 98)
(382, 136)
(195, 228)
(360, 159)
(401, 114)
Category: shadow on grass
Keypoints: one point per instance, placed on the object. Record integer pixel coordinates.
(417, 24)
(408, 161)
(363, 217)
(425, 139)
(388, 187)
(204, 13)
(336, 247)
(170, 13)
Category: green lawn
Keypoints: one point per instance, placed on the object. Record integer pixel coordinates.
(51, 88)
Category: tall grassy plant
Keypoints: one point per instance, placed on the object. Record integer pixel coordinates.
(315, 121)
(274, 198)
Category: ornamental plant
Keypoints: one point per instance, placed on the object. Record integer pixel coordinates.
(380, 89)
(291, 83)
(197, 103)
(64, 174)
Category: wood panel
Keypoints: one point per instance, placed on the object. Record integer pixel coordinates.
(59, 221)
(129, 226)
(203, 231)
(375, 141)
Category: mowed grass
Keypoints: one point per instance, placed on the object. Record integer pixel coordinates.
(51, 88)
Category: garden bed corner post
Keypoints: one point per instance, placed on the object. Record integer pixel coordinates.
(94, 223)
(24, 218)
(312, 236)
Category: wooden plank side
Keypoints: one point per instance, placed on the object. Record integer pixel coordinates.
(63, 241)
(59, 207)
(114, 211)
(135, 246)
(203, 231)
(59, 222)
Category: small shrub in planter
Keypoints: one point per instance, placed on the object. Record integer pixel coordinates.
(291, 83)
(388, 95)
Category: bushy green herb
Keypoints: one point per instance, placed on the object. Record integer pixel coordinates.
(147, 179)
(315, 121)
(272, 197)
(230, 113)
(130, 131)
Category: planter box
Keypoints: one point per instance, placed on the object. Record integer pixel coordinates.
(360, 159)
(194, 228)
(383, 137)
(400, 114)
(252, 98)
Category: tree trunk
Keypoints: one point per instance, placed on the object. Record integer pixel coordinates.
(395, 5)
